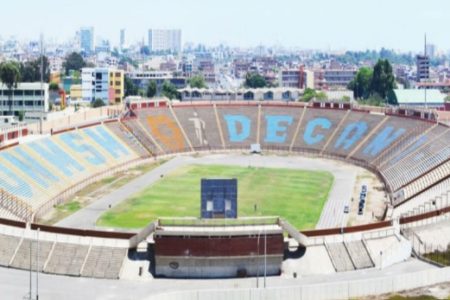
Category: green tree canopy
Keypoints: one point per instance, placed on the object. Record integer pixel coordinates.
(197, 81)
(151, 89)
(74, 61)
(308, 95)
(9, 74)
(383, 80)
(53, 86)
(31, 70)
(98, 103)
(169, 90)
(254, 80)
(361, 84)
(377, 83)
(130, 88)
(321, 96)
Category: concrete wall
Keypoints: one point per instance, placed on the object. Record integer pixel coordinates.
(332, 290)
(201, 267)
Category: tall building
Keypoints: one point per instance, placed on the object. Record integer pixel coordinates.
(102, 83)
(164, 40)
(122, 38)
(423, 64)
(95, 84)
(423, 67)
(116, 86)
(87, 39)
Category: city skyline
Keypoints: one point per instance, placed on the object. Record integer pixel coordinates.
(327, 25)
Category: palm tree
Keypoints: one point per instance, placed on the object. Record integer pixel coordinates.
(10, 76)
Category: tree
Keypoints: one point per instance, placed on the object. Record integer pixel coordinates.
(21, 115)
(383, 79)
(197, 82)
(345, 98)
(151, 89)
(170, 91)
(130, 88)
(74, 61)
(31, 70)
(308, 95)
(361, 84)
(321, 96)
(145, 50)
(10, 76)
(98, 103)
(254, 80)
(53, 86)
(447, 99)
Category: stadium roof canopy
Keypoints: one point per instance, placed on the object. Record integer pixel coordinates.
(417, 97)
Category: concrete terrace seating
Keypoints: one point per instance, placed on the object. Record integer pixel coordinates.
(200, 125)
(128, 138)
(420, 160)
(38, 171)
(438, 194)
(104, 262)
(160, 124)
(22, 257)
(391, 127)
(239, 114)
(291, 123)
(359, 255)
(67, 259)
(142, 135)
(340, 257)
(8, 245)
(328, 120)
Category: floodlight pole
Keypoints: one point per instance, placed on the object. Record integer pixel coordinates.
(31, 255)
(265, 257)
(257, 260)
(37, 266)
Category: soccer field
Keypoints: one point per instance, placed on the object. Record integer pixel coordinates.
(296, 195)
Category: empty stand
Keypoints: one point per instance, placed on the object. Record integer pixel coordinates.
(38, 171)
(22, 258)
(128, 138)
(8, 246)
(104, 262)
(67, 259)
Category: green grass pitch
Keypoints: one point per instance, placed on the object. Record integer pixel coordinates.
(296, 195)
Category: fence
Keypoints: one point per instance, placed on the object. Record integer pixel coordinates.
(346, 289)
(70, 191)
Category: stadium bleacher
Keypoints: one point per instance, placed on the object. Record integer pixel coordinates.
(104, 262)
(22, 257)
(37, 171)
(67, 259)
(410, 155)
(8, 247)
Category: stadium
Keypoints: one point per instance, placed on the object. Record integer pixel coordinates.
(335, 201)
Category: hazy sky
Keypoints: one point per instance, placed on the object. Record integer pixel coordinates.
(313, 24)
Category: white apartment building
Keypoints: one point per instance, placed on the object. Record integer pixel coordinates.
(164, 40)
(28, 97)
(95, 84)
